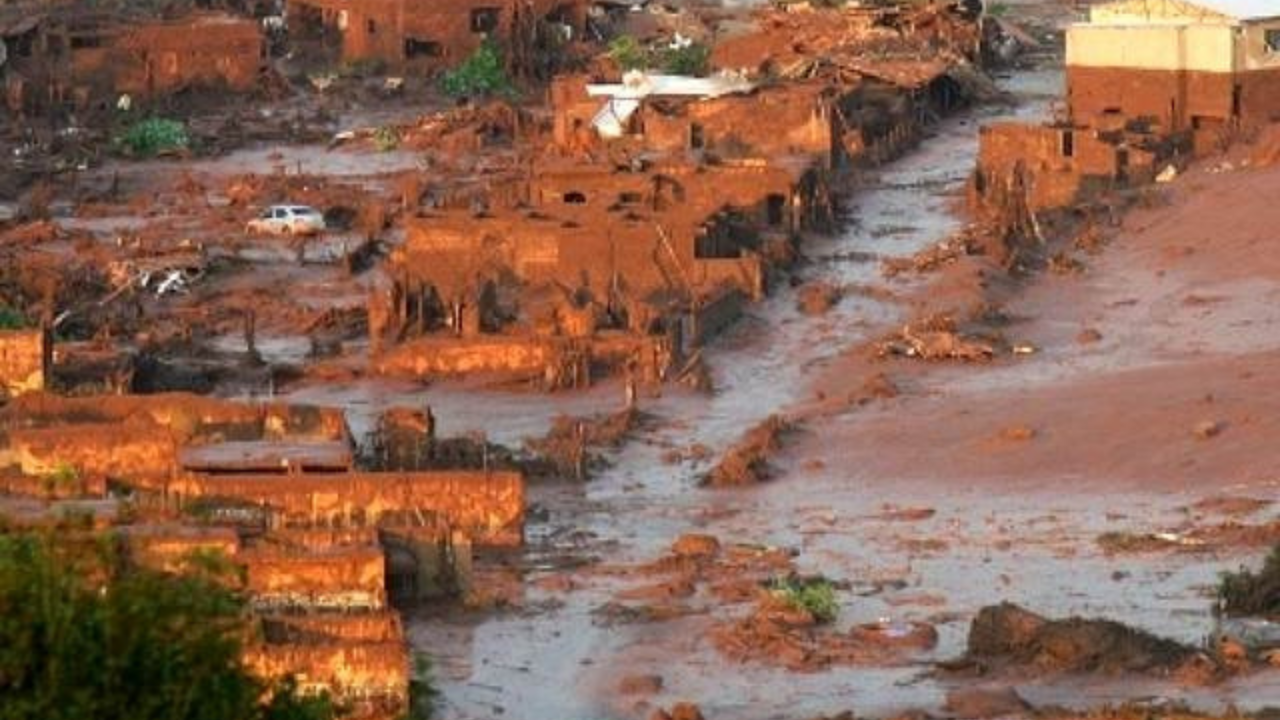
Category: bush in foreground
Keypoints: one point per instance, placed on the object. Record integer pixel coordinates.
(84, 635)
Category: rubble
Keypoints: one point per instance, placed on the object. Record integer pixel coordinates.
(1011, 639)
(936, 338)
(747, 462)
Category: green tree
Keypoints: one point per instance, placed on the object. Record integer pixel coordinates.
(85, 635)
(481, 75)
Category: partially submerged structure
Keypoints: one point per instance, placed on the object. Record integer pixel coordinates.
(1199, 65)
(75, 57)
(275, 490)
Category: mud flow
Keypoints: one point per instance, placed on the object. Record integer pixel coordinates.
(679, 361)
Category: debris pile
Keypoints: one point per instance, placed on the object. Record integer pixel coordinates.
(747, 462)
(937, 338)
(1009, 638)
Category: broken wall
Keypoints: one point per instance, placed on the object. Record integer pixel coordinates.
(333, 579)
(25, 359)
(206, 51)
(487, 505)
(350, 672)
(425, 34)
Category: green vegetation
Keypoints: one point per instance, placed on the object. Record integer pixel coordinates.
(11, 319)
(1246, 592)
(628, 53)
(693, 58)
(386, 139)
(482, 75)
(422, 691)
(85, 635)
(153, 136)
(64, 476)
(815, 595)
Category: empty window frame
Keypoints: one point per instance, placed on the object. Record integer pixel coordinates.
(485, 19)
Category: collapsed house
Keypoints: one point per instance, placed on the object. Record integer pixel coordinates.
(424, 35)
(656, 207)
(598, 268)
(1148, 82)
(277, 491)
(1187, 65)
(71, 57)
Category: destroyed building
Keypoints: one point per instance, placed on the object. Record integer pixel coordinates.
(322, 545)
(425, 35)
(25, 359)
(1198, 65)
(73, 57)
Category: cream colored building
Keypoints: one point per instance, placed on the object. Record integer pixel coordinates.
(1189, 64)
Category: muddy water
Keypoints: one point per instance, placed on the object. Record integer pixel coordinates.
(551, 660)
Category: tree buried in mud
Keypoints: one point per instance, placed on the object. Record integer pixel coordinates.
(85, 635)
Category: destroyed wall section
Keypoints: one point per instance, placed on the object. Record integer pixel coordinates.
(25, 359)
(1047, 167)
(427, 34)
(205, 51)
(489, 506)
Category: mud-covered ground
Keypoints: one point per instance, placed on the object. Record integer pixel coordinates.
(1145, 411)
(1108, 473)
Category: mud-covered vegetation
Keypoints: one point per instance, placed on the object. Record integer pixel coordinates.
(814, 595)
(1249, 592)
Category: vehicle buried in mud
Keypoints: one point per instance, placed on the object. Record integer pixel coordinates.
(287, 220)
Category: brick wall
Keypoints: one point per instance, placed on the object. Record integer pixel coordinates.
(487, 506)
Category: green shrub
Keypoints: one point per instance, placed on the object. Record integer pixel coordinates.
(154, 135)
(422, 690)
(692, 59)
(11, 319)
(85, 634)
(1246, 592)
(815, 595)
(386, 139)
(481, 75)
(628, 53)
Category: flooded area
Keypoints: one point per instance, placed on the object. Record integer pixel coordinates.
(552, 657)
(738, 360)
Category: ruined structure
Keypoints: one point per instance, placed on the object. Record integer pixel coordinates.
(273, 490)
(423, 35)
(74, 57)
(1198, 65)
(25, 359)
